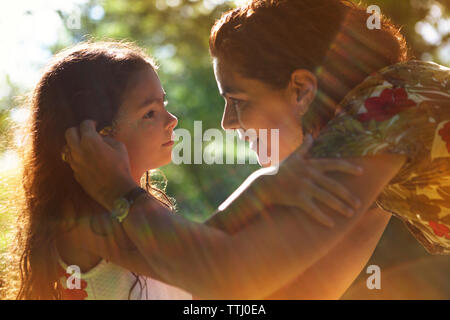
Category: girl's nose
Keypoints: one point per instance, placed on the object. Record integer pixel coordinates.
(172, 122)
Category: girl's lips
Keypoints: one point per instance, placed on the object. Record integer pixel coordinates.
(168, 144)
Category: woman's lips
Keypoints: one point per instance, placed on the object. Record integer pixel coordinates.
(254, 144)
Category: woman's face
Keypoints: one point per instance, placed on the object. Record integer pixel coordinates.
(144, 125)
(252, 104)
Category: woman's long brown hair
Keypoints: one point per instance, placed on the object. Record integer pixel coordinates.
(87, 81)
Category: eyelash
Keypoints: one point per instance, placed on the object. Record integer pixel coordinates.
(153, 111)
(235, 102)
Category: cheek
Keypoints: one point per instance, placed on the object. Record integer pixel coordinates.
(269, 121)
(150, 138)
(279, 115)
(255, 117)
(145, 154)
(142, 140)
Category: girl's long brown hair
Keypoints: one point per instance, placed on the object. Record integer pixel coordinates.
(87, 81)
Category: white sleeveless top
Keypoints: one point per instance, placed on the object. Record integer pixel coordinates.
(108, 281)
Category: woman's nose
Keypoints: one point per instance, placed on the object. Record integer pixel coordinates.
(230, 118)
(172, 122)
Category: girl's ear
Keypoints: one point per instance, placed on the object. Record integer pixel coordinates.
(303, 85)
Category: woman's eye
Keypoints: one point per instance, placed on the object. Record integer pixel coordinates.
(149, 114)
(236, 102)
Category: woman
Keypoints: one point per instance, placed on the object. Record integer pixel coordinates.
(292, 85)
(115, 84)
(401, 107)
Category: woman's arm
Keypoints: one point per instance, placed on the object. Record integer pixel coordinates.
(268, 254)
(191, 255)
(116, 247)
(333, 274)
(329, 278)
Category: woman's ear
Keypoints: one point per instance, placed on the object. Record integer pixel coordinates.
(303, 88)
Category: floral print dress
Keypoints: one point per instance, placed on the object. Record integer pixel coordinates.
(402, 109)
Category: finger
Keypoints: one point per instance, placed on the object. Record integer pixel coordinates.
(90, 138)
(115, 144)
(88, 128)
(314, 212)
(331, 201)
(65, 153)
(334, 187)
(68, 155)
(339, 165)
(306, 145)
(72, 136)
(112, 142)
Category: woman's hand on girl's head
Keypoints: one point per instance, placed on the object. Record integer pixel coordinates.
(301, 181)
(100, 164)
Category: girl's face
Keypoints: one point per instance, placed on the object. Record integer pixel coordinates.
(252, 104)
(144, 125)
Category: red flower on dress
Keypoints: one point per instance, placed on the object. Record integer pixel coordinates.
(72, 294)
(439, 229)
(389, 103)
(75, 294)
(445, 134)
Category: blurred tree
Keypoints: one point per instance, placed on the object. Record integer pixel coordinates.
(425, 25)
(6, 123)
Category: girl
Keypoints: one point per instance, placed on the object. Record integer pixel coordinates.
(98, 81)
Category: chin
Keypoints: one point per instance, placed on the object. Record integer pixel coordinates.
(264, 165)
(266, 162)
(156, 165)
(166, 161)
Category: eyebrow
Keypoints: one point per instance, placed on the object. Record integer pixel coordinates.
(148, 101)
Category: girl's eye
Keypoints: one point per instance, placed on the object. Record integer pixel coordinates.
(149, 114)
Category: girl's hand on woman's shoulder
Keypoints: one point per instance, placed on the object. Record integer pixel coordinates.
(301, 181)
